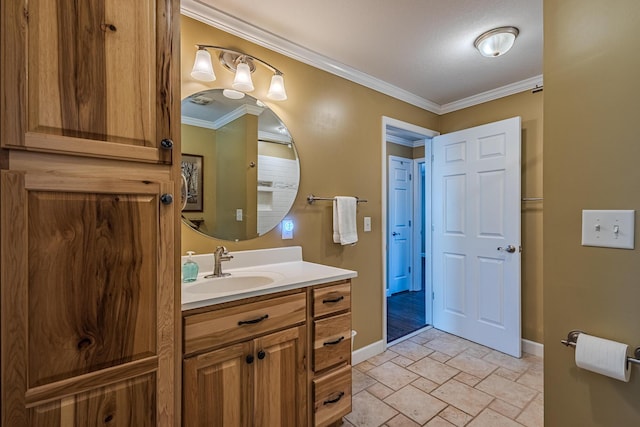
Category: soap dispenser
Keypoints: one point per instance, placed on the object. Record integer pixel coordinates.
(189, 269)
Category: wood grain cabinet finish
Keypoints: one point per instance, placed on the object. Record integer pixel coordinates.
(87, 301)
(331, 373)
(260, 381)
(91, 77)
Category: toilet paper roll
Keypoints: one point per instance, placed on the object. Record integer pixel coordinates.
(603, 356)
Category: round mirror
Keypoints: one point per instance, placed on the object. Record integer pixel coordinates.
(240, 164)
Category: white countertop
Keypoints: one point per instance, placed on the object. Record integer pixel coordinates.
(284, 265)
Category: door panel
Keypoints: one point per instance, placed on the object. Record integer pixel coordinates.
(400, 213)
(476, 214)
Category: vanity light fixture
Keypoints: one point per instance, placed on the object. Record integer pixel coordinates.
(496, 42)
(240, 63)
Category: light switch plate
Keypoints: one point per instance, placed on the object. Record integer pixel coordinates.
(608, 228)
(367, 223)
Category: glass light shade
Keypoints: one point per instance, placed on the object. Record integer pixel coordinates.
(202, 68)
(276, 89)
(496, 42)
(242, 81)
(233, 94)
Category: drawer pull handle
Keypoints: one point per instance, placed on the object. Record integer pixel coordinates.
(253, 321)
(333, 300)
(338, 341)
(335, 399)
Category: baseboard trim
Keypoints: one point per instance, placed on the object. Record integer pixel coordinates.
(532, 347)
(364, 353)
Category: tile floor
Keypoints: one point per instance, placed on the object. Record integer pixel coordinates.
(436, 379)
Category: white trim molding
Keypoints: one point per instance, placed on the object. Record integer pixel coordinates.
(367, 352)
(532, 347)
(208, 14)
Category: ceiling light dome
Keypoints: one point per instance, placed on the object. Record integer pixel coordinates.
(496, 42)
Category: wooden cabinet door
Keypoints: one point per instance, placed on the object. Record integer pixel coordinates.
(217, 388)
(90, 77)
(87, 295)
(280, 390)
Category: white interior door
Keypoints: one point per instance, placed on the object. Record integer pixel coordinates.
(476, 234)
(399, 230)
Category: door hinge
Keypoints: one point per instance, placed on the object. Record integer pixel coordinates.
(433, 296)
(409, 223)
(409, 269)
(410, 178)
(432, 158)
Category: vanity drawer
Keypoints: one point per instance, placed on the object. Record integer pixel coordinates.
(332, 396)
(331, 341)
(331, 299)
(218, 327)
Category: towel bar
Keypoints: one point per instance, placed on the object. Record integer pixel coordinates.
(311, 198)
(572, 339)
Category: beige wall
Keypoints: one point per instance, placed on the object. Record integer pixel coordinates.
(201, 141)
(529, 107)
(591, 157)
(337, 128)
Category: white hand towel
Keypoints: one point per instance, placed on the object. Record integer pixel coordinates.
(344, 220)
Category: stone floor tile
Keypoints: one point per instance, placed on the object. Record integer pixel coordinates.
(369, 411)
(425, 385)
(401, 420)
(433, 370)
(489, 418)
(415, 404)
(463, 397)
(467, 379)
(508, 374)
(364, 366)
(380, 390)
(382, 357)
(455, 416)
(505, 408)
(439, 422)
(472, 365)
(411, 350)
(506, 361)
(446, 345)
(392, 375)
(539, 398)
(440, 357)
(531, 380)
(509, 391)
(532, 416)
(360, 381)
(402, 361)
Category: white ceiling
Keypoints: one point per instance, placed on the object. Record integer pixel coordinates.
(420, 51)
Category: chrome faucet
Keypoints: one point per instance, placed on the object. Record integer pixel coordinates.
(221, 254)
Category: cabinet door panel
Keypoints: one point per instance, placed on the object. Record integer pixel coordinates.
(85, 265)
(117, 404)
(95, 77)
(280, 393)
(92, 293)
(216, 388)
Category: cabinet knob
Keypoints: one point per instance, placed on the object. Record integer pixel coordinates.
(166, 143)
(166, 199)
(250, 359)
(261, 354)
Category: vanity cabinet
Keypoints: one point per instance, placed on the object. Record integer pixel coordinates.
(258, 381)
(91, 78)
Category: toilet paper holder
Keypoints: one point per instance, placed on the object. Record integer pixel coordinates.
(572, 339)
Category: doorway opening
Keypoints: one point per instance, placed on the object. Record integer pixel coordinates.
(407, 301)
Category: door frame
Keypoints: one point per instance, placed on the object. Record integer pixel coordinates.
(428, 133)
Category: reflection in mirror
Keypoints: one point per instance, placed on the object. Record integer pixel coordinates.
(241, 167)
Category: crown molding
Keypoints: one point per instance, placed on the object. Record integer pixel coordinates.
(493, 94)
(208, 14)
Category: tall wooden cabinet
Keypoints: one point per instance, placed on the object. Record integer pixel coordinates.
(89, 292)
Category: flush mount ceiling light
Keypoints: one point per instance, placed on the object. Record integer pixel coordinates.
(240, 63)
(496, 42)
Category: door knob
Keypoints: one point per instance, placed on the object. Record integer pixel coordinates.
(510, 248)
(395, 234)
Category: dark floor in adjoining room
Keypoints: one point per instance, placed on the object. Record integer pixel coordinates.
(405, 313)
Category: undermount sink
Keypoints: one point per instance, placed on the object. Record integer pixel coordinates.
(240, 281)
